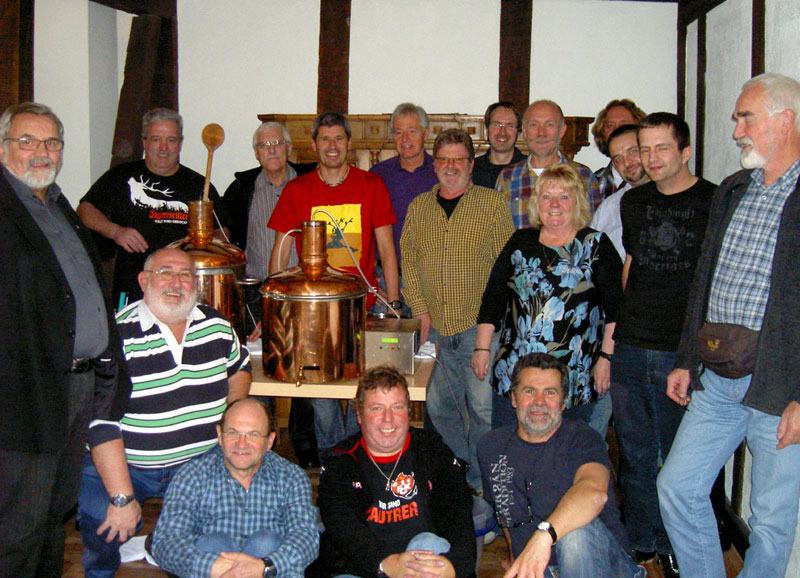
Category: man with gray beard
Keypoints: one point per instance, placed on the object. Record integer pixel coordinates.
(747, 286)
(186, 365)
(61, 362)
(549, 482)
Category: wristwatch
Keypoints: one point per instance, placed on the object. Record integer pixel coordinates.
(605, 355)
(269, 568)
(548, 527)
(121, 500)
(397, 305)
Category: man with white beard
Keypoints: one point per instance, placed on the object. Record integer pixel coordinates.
(62, 360)
(741, 326)
(186, 365)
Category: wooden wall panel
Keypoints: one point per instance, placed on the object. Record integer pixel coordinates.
(16, 65)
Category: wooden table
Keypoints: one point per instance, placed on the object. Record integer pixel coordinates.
(345, 389)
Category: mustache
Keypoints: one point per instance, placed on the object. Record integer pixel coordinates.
(41, 162)
(744, 141)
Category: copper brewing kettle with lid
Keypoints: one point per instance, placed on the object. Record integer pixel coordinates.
(313, 317)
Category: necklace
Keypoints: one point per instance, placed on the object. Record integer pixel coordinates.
(346, 172)
(390, 476)
(550, 261)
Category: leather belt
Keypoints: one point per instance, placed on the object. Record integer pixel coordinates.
(81, 365)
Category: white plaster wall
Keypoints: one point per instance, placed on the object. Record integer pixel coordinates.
(783, 39)
(727, 68)
(103, 89)
(580, 59)
(414, 51)
(690, 113)
(61, 81)
(238, 60)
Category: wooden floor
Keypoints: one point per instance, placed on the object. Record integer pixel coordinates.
(493, 556)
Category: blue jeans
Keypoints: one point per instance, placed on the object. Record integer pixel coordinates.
(378, 306)
(645, 421)
(592, 552)
(259, 544)
(714, 425)
(422, 541)
(331, 424)
(100, 558)
(458, 403)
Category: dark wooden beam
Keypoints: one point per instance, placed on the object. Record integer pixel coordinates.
(681, 72)
(691, 10)
(150, 81)
(333, 77)
(700, 118)
(16, 65)
(758, 63)
(514, 79)
(163, 8)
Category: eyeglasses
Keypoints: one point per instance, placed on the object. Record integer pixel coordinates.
(168, 275)
(251, 436)
(444, 161)
(27, 143)
(271, 143)
(501, 125)
(626, 154)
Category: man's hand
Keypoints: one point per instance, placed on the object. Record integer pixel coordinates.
(256, 332)
(602, 375)
(425, 564)
(121, 522)
(241, 566)
(130, 239)
(532, 561)
(789, 428)
(425, 328)
(480, 363)
(678, 386)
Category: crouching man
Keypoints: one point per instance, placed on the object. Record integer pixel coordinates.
(240, 509)
(549, 483)
(394, 499)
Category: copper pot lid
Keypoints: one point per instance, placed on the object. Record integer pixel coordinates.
(293, 285)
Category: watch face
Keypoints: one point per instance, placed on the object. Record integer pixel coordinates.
(120, 501)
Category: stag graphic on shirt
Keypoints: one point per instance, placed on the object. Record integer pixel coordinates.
(140, 198)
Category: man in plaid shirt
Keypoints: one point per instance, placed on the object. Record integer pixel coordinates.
(240, 509)
(543, 127)
(451, 238)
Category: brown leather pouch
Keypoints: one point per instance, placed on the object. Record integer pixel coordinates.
(728, 350)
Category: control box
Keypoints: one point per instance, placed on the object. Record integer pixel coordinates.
(392, 341)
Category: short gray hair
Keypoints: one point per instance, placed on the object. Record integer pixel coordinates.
(782, 93)
(410, 108)
(161, 115)
(28, 108)
(271, 125)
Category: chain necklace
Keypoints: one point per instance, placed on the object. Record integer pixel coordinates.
(346, 172)
(390, 476)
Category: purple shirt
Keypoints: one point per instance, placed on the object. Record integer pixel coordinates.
(403, 187)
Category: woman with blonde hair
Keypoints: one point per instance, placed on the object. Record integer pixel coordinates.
(555, 288)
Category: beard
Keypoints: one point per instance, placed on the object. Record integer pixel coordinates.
(40, 179)
(750, 159)
(539, 428)
(166, 311)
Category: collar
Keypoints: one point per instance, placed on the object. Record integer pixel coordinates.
(788, 178)
(147, 319)
(427, 162)
(24, 192)
(561, 159)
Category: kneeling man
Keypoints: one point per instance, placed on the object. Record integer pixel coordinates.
(240, 508)
(549, 483)
(394, 499)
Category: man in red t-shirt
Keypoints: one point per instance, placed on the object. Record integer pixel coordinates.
(359, 201)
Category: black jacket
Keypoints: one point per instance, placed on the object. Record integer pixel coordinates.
(239, 195)
(37, 333)
(344, 498)
(776, 377)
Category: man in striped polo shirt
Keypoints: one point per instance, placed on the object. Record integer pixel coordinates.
(186, 365)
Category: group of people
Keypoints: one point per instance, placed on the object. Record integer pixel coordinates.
(553, 294)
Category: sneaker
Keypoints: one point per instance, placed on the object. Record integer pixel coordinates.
(489, 537)
(148, 544)
(669, 565)
(133, 549)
